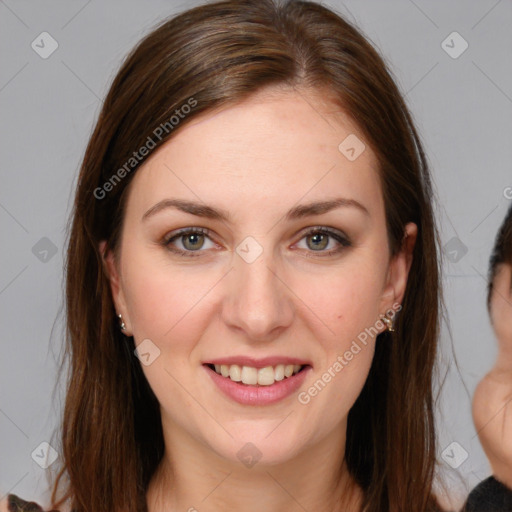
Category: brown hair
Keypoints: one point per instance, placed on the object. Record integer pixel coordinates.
(501, 252)
(218, 54)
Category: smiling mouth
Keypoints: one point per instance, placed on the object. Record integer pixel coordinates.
(251, 376)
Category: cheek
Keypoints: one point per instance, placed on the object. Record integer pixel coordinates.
(164, 302)
(345, 307)
(345, 302)
(168, 306)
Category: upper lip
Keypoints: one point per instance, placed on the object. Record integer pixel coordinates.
(257, 363)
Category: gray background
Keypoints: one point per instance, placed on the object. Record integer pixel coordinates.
(463, 109)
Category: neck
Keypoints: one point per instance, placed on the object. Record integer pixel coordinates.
(192, 477)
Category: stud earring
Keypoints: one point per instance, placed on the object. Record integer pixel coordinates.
(388, 322)
(122, 325)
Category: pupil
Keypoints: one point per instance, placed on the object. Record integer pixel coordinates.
(194, 238)
(319, 237)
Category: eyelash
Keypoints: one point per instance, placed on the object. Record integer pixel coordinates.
(342, 240)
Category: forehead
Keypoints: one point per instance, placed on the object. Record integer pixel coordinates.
(276, 145)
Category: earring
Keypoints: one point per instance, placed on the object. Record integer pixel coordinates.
(388, 322)
(122, 325)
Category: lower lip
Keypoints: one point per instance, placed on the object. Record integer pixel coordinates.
(258, 395)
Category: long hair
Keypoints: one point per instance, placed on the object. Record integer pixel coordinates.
(208, 57)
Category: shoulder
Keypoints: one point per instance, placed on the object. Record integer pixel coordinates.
(490, 495)
(13, 503)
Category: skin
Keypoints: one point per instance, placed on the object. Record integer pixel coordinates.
(492, 401)
(256, 160)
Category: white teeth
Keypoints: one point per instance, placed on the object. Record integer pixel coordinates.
(252, 376)
(266, 376)
(279, 372)
(249, 375)
(235, 373)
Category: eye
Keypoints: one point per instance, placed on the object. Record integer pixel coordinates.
(191, 239)
(318, 239)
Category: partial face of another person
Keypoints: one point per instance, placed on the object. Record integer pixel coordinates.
(260, 275)
(501, 305)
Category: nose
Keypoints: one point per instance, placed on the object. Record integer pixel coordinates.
(258, 300)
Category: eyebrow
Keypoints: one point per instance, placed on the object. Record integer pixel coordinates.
(297, 212)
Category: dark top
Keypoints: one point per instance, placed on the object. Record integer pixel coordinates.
(488, 496)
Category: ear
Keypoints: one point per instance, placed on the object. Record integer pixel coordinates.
(398, 272)
(111, 269)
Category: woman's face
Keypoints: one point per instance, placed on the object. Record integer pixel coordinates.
(254, 284)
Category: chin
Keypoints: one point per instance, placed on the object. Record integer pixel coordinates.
(253, 451)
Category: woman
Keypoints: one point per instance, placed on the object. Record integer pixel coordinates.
(252, 277)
